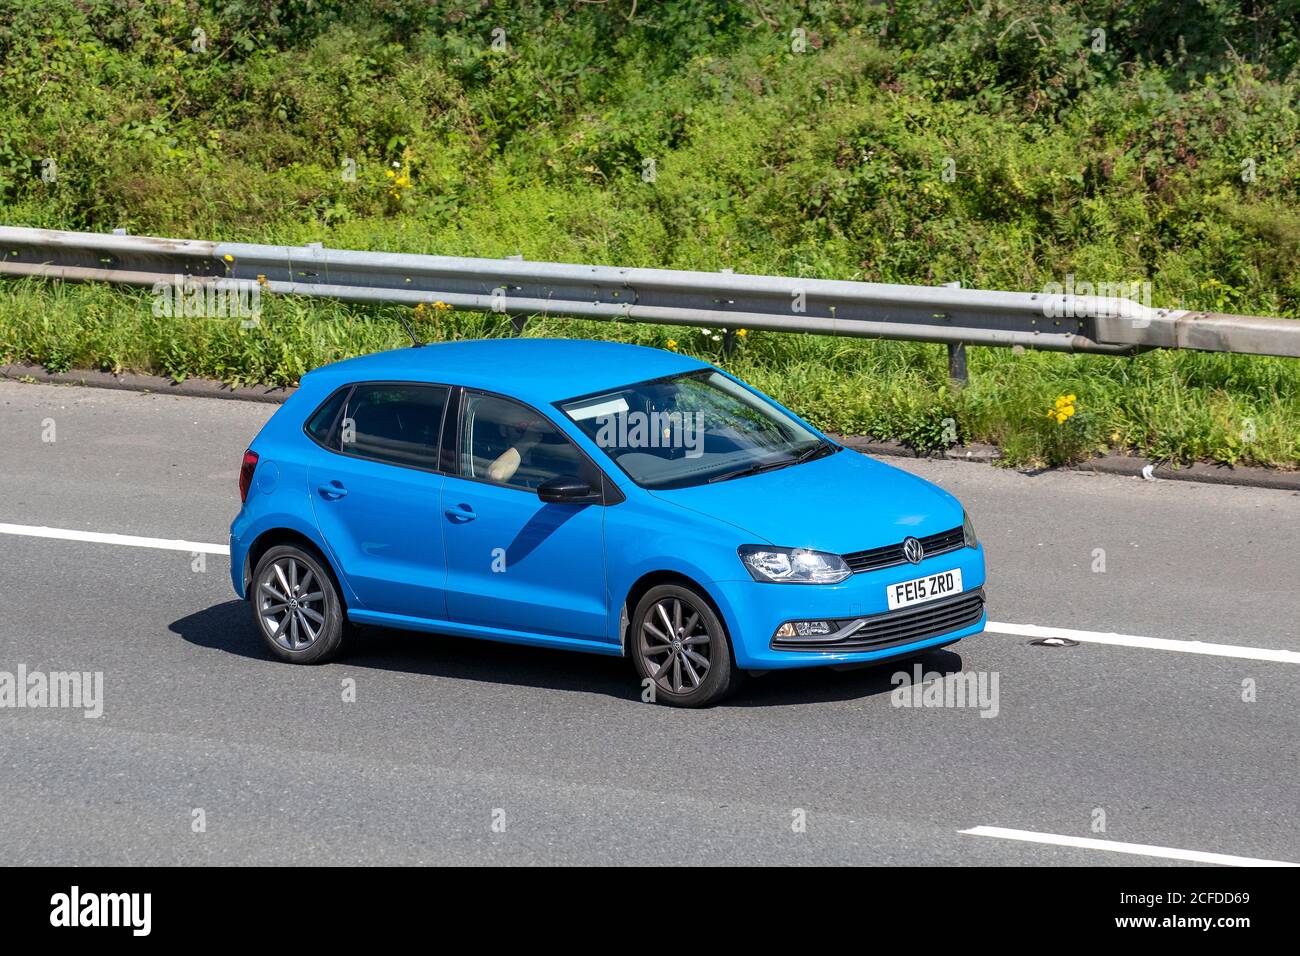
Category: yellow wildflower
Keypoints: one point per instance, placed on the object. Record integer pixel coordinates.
(1062, 408)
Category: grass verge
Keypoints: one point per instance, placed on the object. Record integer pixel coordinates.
(1170, 405)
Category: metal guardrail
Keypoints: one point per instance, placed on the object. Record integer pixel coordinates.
(956, 316)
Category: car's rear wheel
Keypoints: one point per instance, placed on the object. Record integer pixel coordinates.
(296, 606)
(681, 648)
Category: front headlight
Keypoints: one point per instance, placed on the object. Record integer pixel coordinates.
(968, 531)
(793, 565)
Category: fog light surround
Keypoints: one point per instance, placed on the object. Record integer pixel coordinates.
(812, 630)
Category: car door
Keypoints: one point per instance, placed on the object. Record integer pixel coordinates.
(376, 495)
(513, 561)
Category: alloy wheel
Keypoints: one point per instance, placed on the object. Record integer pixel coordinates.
(676, 647)
(291, 604)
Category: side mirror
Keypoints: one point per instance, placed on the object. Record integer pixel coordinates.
(567, 489)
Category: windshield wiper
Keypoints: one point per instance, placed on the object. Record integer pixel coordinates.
(761, 466)
(814, 451)
(749, 470)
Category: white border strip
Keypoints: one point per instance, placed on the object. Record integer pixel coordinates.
(1113, 846)
(128, 540)
(1152, 643)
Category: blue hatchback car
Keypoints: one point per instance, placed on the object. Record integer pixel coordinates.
(590, 496)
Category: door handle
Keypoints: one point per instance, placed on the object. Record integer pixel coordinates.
(333, 491)
(461, 513)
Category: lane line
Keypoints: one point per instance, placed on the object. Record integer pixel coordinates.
(1114, 846)
(1151, 643)
(997, 627)
(127, 540)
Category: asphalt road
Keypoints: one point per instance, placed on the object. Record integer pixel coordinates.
(448, 735)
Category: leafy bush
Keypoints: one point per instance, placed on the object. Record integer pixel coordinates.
(1001, 145)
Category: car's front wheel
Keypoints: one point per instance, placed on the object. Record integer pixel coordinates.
(296, 606)
(680, 648)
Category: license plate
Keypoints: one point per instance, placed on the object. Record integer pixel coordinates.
(907, 593)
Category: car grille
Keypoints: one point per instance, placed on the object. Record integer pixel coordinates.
(892, 554)
(894, 628)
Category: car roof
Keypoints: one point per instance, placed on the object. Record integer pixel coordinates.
(536, 370)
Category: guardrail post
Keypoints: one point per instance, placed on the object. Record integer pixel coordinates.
(728, 334)
(518, 322)
(957, 370)
(728, 343)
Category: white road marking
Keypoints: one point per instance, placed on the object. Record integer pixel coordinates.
(1114, 846)
(128, 540)
(1018, 630)
(1151, 643)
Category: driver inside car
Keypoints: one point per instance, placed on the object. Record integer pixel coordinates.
(524, 436)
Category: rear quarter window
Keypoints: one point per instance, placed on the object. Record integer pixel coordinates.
(320, 425)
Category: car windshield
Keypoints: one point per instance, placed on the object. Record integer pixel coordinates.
(691, 429)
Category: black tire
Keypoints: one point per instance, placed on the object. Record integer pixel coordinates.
(304, 641)
(668, 654)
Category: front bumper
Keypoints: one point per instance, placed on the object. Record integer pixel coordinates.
(866, 630)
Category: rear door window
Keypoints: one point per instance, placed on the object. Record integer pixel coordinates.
(395, 423)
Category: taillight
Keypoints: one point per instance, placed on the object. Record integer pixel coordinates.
(246, 474)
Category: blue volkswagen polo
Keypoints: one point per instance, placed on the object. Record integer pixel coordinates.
(596, 497)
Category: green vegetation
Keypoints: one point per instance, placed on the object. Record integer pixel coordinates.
(1166, 150)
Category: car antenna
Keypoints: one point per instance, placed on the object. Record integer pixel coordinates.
(415, 343)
